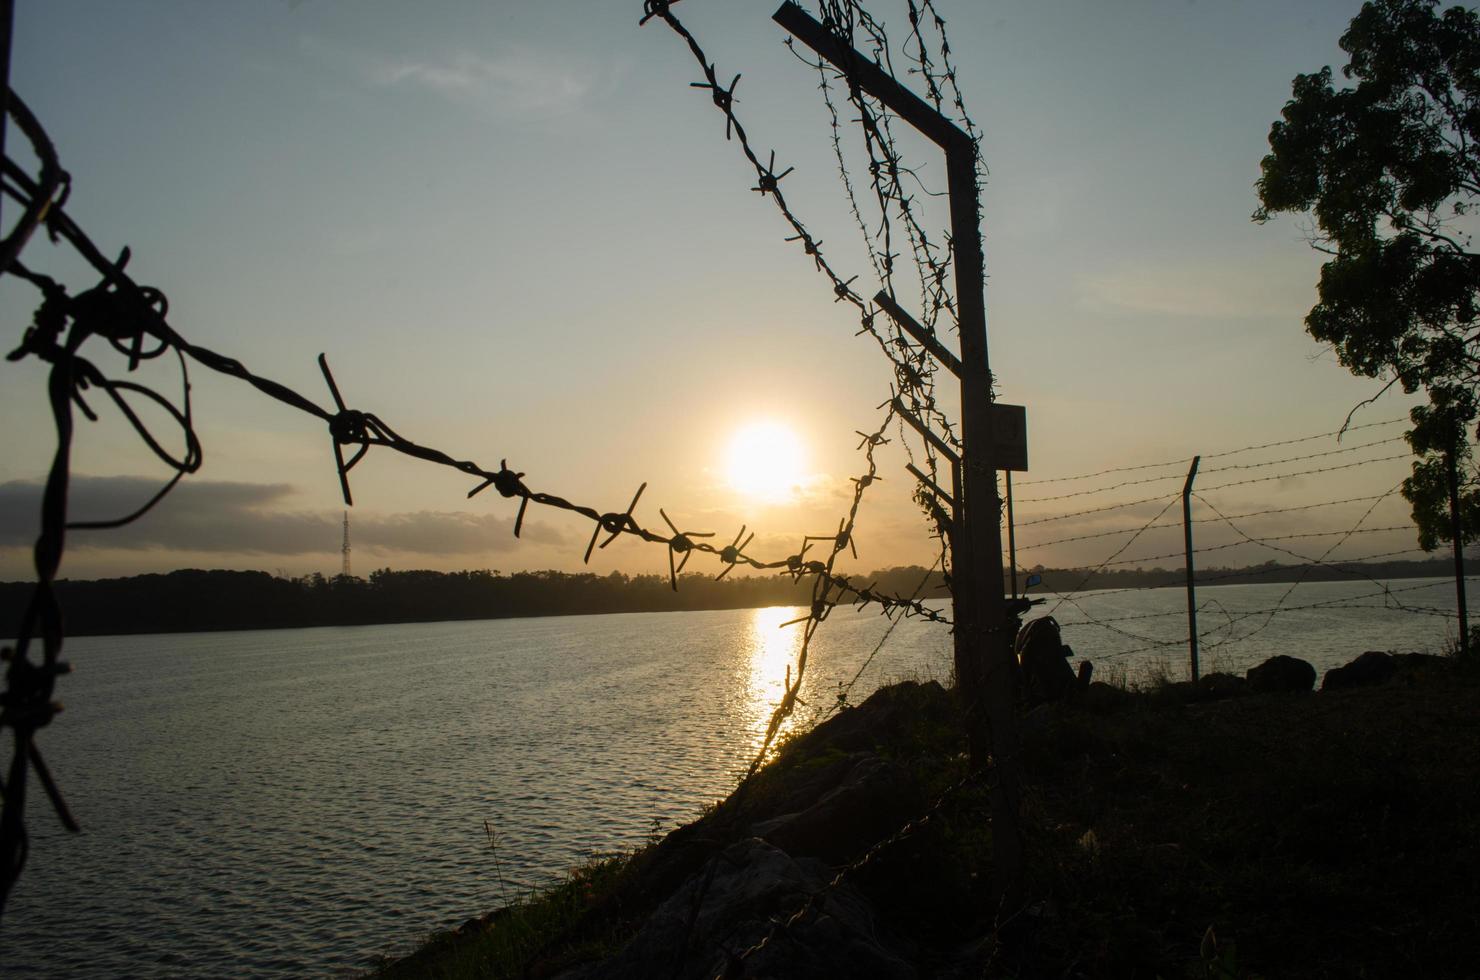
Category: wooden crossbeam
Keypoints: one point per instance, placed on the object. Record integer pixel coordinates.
(922, 336)
(871, 78)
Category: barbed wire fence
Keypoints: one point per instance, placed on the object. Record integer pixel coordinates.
(915, 370)
(1093, 598)
(913, 396)
(133, 319)
(1384, 596)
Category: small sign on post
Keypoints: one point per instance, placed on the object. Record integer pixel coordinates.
(1010, 453)
(1010, 437)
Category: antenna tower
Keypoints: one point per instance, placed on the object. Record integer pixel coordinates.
(344, 549)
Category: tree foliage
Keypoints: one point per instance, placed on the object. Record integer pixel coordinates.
(1389, 169)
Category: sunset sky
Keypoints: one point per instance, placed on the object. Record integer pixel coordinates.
(518, 233)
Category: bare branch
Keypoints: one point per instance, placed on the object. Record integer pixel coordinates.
(1363, 404)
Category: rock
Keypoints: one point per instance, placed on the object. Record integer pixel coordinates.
(1375, 667)
(1372, 667)
(806, 770)
(1216, 686)
(887, 717)
(874, 799)
(1211, 687)
(1281, 674)
(1413, 666)
(755, 889)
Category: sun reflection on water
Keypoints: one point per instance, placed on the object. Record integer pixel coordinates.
(772, 650)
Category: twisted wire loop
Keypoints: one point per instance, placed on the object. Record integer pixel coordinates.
(133, 318)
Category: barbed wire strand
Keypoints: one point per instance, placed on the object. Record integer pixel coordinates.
(1182, 612)
(1184, 460)
(1345, 602)
(1196, 520)
(844, 690)
(1348, 567)
(1209, 472)
(1248, 540)
(1071, 596)
(1321, 560)
(1221, 486)
(1117, 553)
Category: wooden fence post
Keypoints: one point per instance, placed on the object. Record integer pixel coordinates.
(986, 668)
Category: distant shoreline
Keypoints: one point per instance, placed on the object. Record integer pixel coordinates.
(197, 601)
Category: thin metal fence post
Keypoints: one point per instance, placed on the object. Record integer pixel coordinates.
(1456, 529)
(1191, 589)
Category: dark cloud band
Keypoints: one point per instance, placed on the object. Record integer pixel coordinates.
(239, 518)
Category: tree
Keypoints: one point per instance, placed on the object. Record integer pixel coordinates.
(1389, 168)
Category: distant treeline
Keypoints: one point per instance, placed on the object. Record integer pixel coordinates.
(193, 600)
(1074, 579)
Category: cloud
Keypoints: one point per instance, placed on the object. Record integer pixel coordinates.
(448, 533)
(238, 518)
(517, 80)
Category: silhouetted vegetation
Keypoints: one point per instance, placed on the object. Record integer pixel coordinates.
(1389, 170)
(193, 600)
(1074, 579)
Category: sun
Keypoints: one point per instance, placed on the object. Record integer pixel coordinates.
(765, 461)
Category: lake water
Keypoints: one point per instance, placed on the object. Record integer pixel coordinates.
(292, 802)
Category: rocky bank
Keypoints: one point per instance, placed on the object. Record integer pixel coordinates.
(1240, 826)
